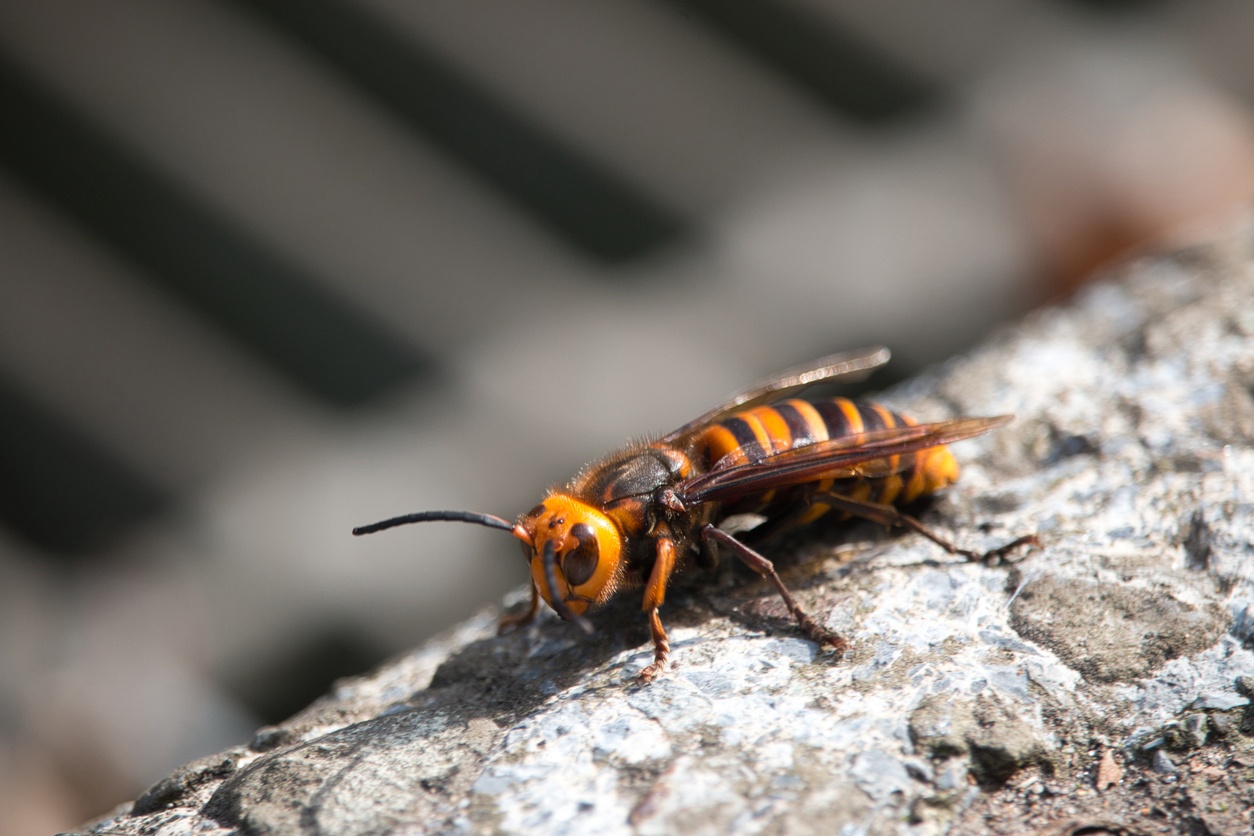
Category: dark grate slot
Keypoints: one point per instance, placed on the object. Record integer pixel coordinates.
(1116, 7)
(845, 74)
(286, 317)
(578, 200)
(61, 491)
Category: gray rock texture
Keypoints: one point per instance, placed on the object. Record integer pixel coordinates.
(1102, 680)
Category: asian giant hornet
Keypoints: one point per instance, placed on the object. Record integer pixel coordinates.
(642, 514)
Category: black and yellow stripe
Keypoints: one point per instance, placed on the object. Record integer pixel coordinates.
(752, 436)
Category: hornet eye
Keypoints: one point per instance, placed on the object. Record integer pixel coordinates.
(579, 563)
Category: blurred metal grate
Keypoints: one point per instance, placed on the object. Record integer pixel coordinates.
(285, 317)
(844, 74)
(59, 489)
(1116, 6)
(579, 200)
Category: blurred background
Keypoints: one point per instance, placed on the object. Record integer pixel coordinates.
(273, 268)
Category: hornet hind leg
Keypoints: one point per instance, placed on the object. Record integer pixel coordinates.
(814, 632)
(889, 517)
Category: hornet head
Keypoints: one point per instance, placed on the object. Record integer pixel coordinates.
(575, 551)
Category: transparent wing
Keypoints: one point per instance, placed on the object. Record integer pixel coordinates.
(853, 365)
(875, 453)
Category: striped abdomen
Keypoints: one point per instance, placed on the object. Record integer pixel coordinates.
(754, 434)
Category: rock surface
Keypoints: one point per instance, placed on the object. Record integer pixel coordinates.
(1103, 680)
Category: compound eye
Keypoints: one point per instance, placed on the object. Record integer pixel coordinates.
(579, 564)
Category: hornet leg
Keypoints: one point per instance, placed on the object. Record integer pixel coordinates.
(654, 595)
(766, 569)
(889, 517)
(509, 622)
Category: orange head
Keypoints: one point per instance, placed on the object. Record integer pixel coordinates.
(575, 551)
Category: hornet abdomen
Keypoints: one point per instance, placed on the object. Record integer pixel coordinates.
(754, 435)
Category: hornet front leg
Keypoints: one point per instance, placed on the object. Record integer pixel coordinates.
(654, 596)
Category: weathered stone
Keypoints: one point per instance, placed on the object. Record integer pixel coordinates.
(940, 726)
(993, 737)
(1113, 633)
(190, 786)
(1163, 763)
(973, 696)
(1001, 741)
